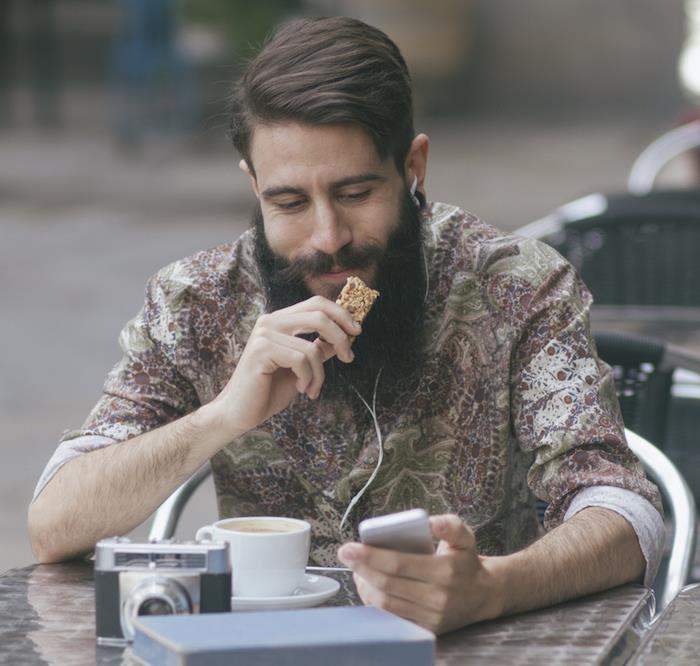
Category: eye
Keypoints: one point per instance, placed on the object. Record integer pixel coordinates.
(353, 197)
(290, 205)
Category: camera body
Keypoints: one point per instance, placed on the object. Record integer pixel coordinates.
(157, 578)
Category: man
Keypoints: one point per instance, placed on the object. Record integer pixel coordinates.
(473, 377)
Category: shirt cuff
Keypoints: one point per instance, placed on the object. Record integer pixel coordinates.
(66, 451)
(637, 511)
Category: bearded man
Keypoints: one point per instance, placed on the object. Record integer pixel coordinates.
(474, 372)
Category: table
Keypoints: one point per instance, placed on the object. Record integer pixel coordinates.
(47, 617)
(674, 638)
(678, 327)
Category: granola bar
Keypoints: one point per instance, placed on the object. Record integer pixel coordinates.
(357, 298)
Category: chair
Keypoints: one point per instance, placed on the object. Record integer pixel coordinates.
(660, 152)
(643, 379)
(167, 516)
(679, 502)
(631, 250)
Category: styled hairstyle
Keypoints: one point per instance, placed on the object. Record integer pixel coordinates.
(327, 71)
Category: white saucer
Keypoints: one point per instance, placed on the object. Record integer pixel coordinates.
(313, 590)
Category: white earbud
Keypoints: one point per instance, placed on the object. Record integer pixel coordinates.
(412, 190)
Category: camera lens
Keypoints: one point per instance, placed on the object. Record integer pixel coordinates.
(153, 595)
(155, 607)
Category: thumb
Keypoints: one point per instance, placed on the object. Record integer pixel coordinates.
(452, 532)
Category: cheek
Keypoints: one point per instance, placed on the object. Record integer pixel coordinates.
(283, 237)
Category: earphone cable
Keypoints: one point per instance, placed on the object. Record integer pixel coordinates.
(380, 444)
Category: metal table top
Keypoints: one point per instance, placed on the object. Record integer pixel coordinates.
(674, 638)
(47, 616)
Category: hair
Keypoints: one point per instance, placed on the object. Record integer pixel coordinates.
(327, 71)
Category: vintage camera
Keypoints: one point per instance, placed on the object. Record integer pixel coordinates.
(157, 578)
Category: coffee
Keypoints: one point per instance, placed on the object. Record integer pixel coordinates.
(262, 526)
(268, 553)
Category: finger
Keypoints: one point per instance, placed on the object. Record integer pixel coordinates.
(370, 596)
(317, 321)
(451, 529)
(334, 311)
(360, 558)
(327, 350)
(422, 593)
(309, 383)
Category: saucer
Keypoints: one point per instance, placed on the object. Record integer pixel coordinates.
(312, 591)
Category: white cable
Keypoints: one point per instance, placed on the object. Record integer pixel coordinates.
(427, 276)
(373, 411)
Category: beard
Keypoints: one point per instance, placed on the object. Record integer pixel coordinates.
(392, 333)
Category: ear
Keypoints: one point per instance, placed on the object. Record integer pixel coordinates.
(243, 166)
(417, 161)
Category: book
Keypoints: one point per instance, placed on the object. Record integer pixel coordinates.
(344, 636)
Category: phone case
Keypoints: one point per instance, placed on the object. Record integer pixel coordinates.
(407, 531)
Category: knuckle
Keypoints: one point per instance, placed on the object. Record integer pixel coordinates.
(439, 599)
(393, 567)
(445, 573)
(320, 319)
(451, 570)
(382, 581)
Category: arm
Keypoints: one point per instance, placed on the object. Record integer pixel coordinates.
(595, 550)
(110, 491)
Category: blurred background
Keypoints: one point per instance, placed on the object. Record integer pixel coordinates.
(114, 159)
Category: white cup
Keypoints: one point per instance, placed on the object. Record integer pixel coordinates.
(268, 554)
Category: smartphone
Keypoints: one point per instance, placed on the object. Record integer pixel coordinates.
(407, 531)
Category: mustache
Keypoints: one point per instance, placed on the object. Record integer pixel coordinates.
(347, 258)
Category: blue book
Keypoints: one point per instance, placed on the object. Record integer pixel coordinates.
(345, 636)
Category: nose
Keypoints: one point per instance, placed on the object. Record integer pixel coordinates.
(331, 231)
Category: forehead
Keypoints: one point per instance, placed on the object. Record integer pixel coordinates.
(284, 151)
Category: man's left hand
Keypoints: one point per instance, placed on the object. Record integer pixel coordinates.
(441, 592)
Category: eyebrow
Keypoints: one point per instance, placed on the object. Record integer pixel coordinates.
(272, 192)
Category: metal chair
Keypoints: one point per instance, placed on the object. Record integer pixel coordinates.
(660, 152)
(679, 501)
(631, 250)
(167, 516)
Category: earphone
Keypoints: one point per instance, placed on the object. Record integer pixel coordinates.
(373, 409)
(412, 190)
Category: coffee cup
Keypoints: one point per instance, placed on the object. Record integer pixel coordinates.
(268, 554)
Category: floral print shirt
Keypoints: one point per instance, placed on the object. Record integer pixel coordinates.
(512, 401)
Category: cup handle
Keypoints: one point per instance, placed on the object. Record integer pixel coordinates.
(205, 532)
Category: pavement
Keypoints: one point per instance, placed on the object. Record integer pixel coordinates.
(82, 226)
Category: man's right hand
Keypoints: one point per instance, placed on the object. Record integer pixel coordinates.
(276, 364)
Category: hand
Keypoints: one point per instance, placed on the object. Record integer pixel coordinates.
(440, 592)
(276, 365)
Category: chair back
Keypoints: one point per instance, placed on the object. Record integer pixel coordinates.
(643, 381)
(630, 250)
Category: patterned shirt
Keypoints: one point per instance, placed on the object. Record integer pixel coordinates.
(512, 402)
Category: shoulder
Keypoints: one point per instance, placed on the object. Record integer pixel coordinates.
(211, 273)
(210, 289)
(471, 245)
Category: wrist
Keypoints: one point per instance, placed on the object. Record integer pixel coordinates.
(211, 422)
(498, 569)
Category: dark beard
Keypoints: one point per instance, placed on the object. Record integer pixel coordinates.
(391, 336)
